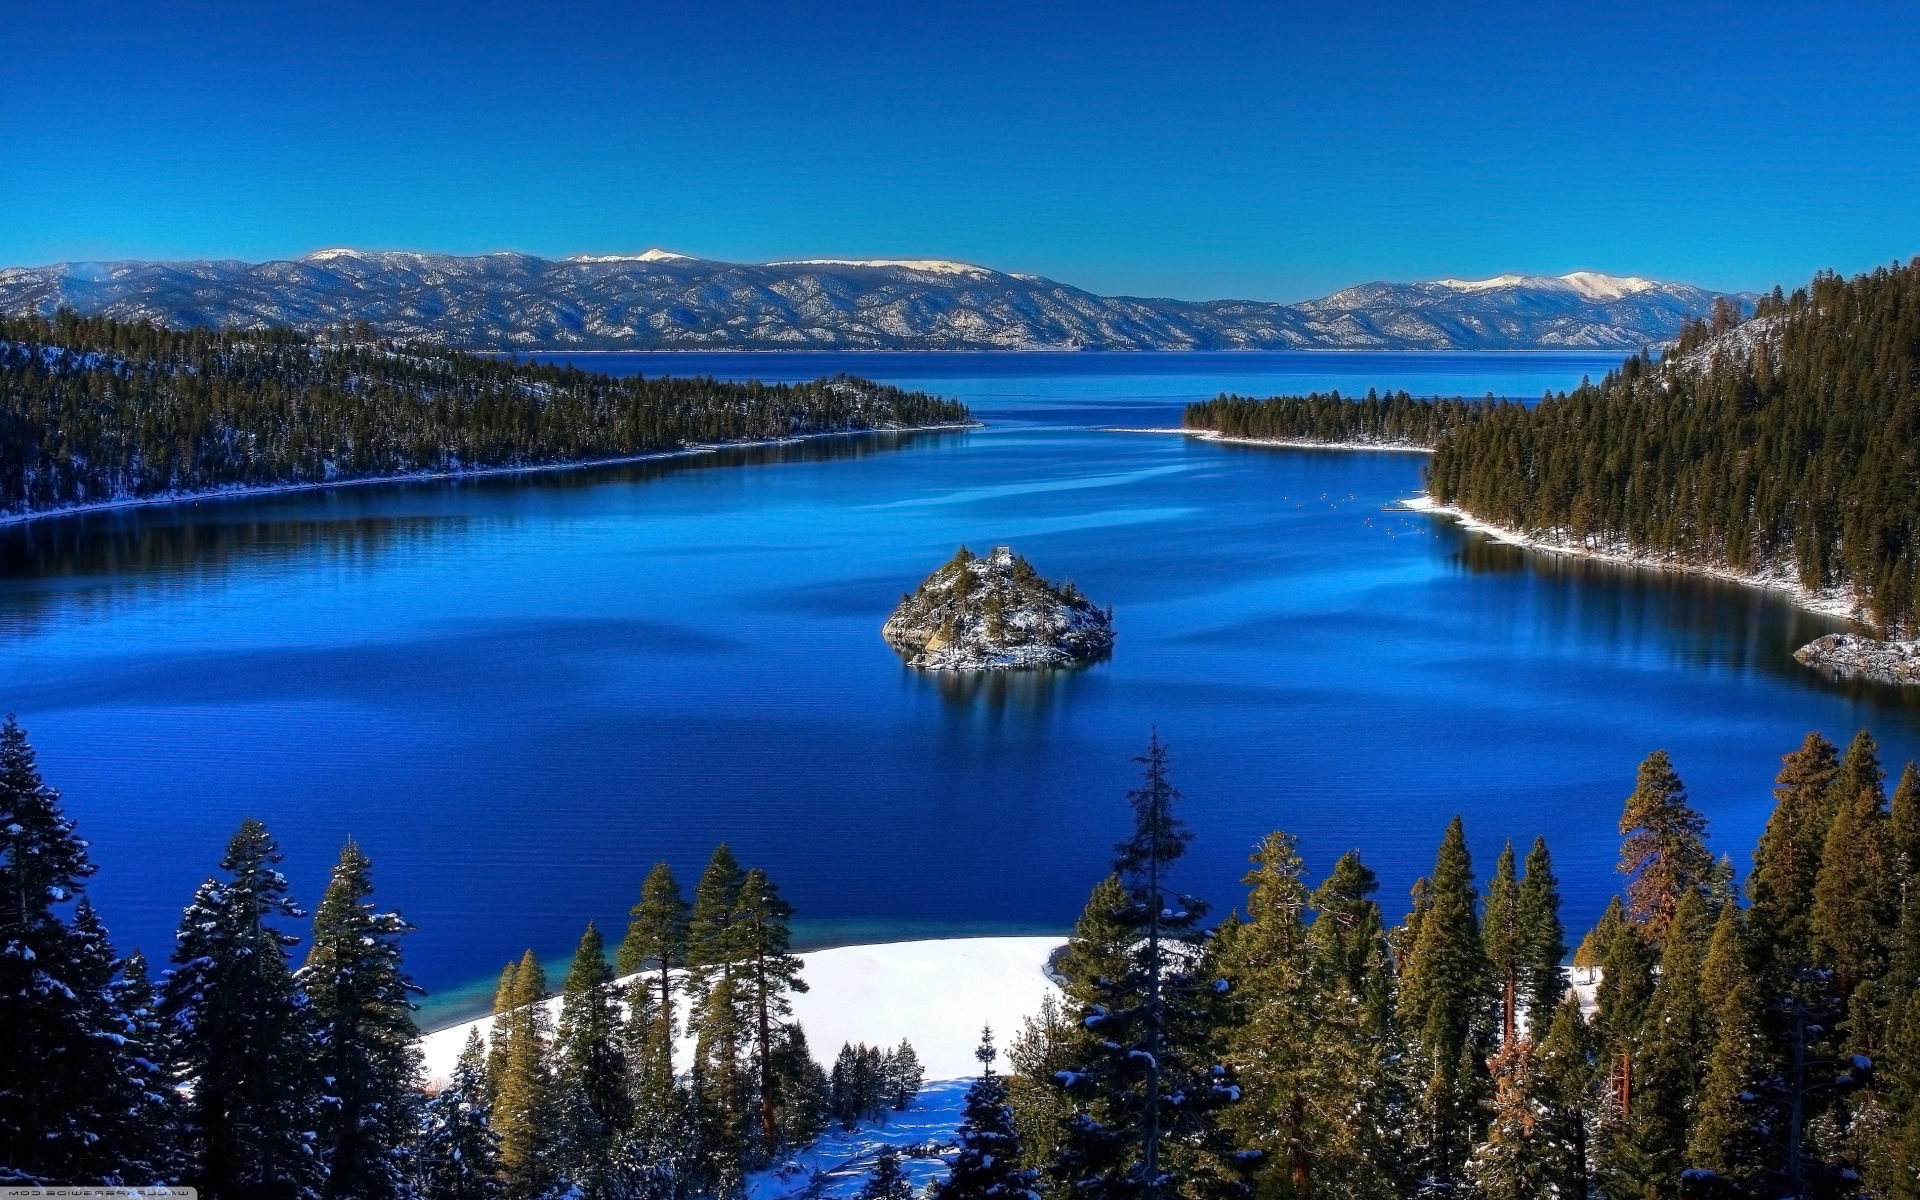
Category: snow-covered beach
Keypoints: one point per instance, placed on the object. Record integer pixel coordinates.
(936, 994)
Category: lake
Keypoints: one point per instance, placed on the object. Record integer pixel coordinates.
(520, 692)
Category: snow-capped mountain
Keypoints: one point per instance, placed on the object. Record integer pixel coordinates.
(663, 300)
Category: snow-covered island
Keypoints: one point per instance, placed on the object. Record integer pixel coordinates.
(1864, 658)
(996, 613)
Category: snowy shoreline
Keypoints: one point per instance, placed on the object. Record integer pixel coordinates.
(1833, 602)
(936, 994)
(1209, 435)
(276, 489)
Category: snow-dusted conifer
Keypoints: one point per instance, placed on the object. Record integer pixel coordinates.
(769, 973)
(888, 1181)
(242, 1033)
(458, 1156)
(361, 1000)
(988, 1163)
(1149, 1086)
(656, 939)
(64, 1078)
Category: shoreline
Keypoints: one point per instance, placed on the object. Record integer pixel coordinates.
(1210, 435)
(1834, 602)
(277, 489)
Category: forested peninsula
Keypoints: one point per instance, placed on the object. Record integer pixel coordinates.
(95, 411)
(1784, 448)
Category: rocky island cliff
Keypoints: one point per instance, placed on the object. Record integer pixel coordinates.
(993, 614)
(1850, 656)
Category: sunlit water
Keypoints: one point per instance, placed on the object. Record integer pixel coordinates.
(519, 693)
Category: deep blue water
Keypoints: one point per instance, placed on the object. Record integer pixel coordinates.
(518, 693)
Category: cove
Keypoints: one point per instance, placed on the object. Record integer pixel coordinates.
(520, 692)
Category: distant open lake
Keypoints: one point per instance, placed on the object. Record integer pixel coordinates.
(520, 692)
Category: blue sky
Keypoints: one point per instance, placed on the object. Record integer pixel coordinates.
(1200, 150)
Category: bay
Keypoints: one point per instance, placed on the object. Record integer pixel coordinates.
(519, 692)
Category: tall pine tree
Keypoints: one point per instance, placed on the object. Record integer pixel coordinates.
(361, 1001)
(656, 937)
(1665, 853)
(458, 1156)
(591, 1102)
(243, 1034)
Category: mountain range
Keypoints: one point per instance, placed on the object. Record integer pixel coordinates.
(665, 301)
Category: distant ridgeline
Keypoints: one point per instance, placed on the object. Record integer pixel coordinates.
(94, 410)
(1786, 446)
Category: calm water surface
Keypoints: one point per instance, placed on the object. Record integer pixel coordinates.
(519, 693)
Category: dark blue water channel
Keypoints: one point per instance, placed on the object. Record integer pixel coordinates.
(518, 693)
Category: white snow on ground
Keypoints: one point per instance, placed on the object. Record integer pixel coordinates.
(837, 1165)
(935, 994)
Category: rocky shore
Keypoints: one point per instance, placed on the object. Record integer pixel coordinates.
(1857, 657)
(994, 614)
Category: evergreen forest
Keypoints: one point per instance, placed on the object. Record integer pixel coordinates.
(1786, 445)
(94, 410)
(1703, 1039)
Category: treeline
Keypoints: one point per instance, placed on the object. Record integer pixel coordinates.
(1786, 445)
(1304, 1049)
(94, 410)
(250, 1078)
(1396, 419)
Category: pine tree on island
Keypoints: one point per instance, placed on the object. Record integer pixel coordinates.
(243, 1034)
(362, 1008)
(458, 1157)
(987, 1165)
(1147, 1094)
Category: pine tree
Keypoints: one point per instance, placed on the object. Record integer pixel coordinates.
(1671, 1065)
(1357, 1092)
(888, 1181)
(804, 1090)
(657, 935)
(148, 1142)
(1445, 989)
(65, 1082)
(523, 1095)
(1271, 961)
(1622, 999)
(1565, 1060)
(904, 1077)
(1665, 855)
(1510, 1164)
(987, 1165)
(458, 1157)
(722, 1084)
(505, 994)
(1148, 1090)
(590, 1072)
(243, 1034)
(1787, 859)
(1545, 940)
(363, 1017)
(1048, 1042)
(1856, 890)
(769, 973)
(1504, 933)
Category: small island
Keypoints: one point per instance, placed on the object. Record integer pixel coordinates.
(1850, 656)
(996, 614)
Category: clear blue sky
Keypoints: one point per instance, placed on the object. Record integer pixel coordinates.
(1196, 150)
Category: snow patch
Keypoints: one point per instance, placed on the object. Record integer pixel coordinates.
(937, 266)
